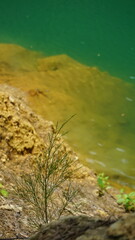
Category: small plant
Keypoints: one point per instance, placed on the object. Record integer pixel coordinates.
(3, 191)
(103, 183)
(49, 188)
(127, 200)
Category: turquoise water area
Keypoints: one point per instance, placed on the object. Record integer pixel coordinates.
(95, 33)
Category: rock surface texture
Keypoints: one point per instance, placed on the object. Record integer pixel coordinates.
(86, 228)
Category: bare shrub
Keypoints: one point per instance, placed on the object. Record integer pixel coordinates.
(49, 188)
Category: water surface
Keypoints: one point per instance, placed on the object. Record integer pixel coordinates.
(94, 32)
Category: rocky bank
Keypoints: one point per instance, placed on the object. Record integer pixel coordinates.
(23, 135)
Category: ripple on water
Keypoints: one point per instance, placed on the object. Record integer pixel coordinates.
(92, 153)
(122, 173)
(120, 149)
(93, 161)
(129, 99)
(125, 161)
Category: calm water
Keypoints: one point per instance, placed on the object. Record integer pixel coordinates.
(94, 32)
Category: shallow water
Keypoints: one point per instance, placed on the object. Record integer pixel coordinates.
(96, 34)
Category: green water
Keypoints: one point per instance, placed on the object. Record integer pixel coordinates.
(94, 32)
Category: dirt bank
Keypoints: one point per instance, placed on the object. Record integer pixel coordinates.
(23, 134)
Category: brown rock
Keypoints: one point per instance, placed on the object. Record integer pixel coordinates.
(17, 133)
(67, 228)
(86, 228)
